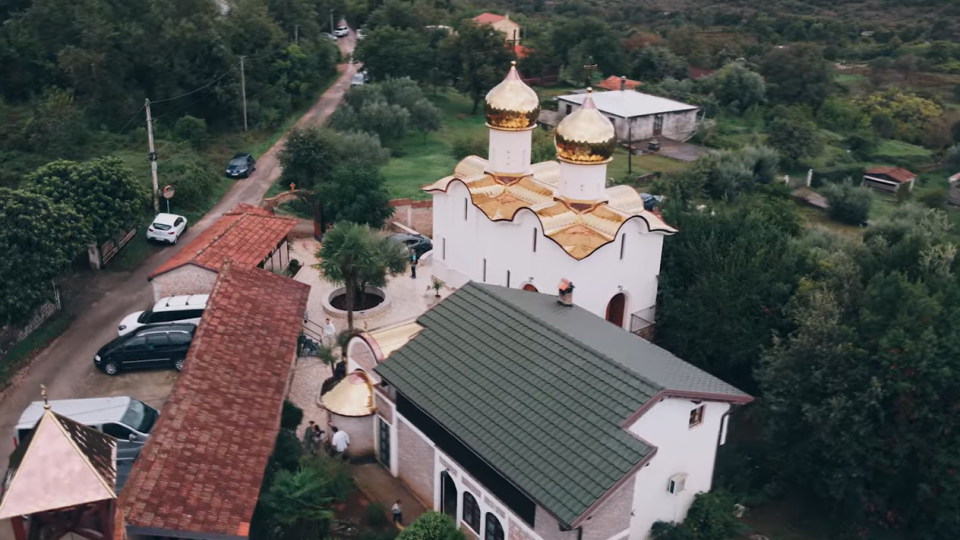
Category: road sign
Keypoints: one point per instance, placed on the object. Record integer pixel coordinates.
(168, 192)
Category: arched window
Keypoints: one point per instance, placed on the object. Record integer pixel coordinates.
(471, 512)
(494, 529)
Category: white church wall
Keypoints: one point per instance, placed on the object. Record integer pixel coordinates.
(681, 449)
(501, 247)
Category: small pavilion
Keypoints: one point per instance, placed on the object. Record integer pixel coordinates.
(61, 480)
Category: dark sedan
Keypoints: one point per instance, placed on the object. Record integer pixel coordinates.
(150, 346)
(417, 242)
(241, 166)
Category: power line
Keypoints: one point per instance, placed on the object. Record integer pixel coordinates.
(136, 114)
(198, 89)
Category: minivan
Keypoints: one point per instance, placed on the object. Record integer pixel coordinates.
(185, 309)
(150, 346)
(122, 417)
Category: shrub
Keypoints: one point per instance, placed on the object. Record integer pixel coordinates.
(376, 515)
(192, 179)
(710, 518)
(848, 203)
(191, 130)
(431, 526)
(470, 146)
(387, 533)
(934, 199)
(286, 450)
(952, 158)
(291, 416)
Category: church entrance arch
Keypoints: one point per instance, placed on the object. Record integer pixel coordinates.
(530, 287)
(616, 308)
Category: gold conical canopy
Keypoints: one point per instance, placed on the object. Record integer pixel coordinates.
(512, 105)
(586, 136)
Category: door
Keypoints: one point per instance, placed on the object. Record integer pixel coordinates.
(448, 496)
(615, 309)
(134, 354)
(384, 438)
(179, 345)
(657, 125)
(158, 351)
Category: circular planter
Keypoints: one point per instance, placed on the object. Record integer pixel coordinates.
(329, 309)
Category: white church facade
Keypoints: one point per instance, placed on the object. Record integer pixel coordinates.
(509, 222)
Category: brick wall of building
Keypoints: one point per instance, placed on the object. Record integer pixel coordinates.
(384, 407)
(188, 279)
(417, 215)
(514, 532)
(547, 528)
(613, 516)
(415, 463)
(469, 534)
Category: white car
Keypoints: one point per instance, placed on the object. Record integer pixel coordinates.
(358, 79)
(360, 34)
(341, 31)
(179, 309)
(166, 228)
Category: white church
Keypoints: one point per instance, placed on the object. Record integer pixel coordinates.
(507, 221)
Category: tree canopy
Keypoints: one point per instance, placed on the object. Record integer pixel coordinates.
(476, 60)
(797, 74)
(431, 526)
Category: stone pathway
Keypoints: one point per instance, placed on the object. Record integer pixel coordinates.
(308, 377)
(378, 485)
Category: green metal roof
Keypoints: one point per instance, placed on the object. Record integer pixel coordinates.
(538, 390)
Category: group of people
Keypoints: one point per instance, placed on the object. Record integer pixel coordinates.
(314, 439)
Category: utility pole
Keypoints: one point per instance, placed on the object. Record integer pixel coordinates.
(296, 33)
(331, 21)
(153, 157)
(243, 90)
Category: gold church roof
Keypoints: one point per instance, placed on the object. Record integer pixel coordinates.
(586, 136)
(512, 105)
(578, 228)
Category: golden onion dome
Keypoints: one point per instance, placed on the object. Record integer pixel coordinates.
(512, 105)
(586, 136)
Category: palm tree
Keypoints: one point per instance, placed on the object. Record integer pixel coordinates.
(356, 257)
(301, 501)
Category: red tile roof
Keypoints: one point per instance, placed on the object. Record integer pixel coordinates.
(896, 173)
(613, 83)
(246, 235)
(699, 73)
(201, 469)
(520, 51)
(488, 18)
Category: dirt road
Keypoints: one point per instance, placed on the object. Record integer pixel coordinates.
(66, 366)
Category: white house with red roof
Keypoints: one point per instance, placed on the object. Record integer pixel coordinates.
(500, 23)
(888, 178)
(249, 236)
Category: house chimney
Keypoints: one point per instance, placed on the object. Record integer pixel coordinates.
(565, 293)
(623, 83)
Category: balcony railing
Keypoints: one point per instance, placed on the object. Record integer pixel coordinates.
(641, 327)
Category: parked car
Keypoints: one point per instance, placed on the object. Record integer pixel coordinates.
(166, 228)
(651, 201)
(182, 309)
(150, 346)
(417, 242)
(122, 417)
(357, 80)
(241, 166)
(342, 31)
(361, 34)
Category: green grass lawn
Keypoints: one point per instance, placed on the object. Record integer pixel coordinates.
(893, 148)
(645, 164)
(418, 162)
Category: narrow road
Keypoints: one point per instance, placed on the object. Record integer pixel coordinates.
(66, 366)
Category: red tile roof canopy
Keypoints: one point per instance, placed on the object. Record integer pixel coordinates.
(894, 173)
(246, 235)
(612, 83)
(201, 469)
(488, 18)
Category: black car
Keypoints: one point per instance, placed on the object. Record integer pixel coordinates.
(150, 346)
(241, 165)
(417, 242)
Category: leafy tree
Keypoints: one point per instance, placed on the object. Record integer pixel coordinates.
(849, 203)
(724, 283)
(736, 86)
(301, 501)
(952, 158)
(356, 194)
(56, 126)
(404, 92)
(431, 526)
(657, 63)
(470, 145)
(308, 157)
(710, 518)
(797, 74)
(763, 162)
(40, 238)
(389, 52)
(396, 14)
(192, 178)
(358, 96)
(909, 114)
(354, 255)
(425, 117)
(955, 132)
(476, 60)
(191, 130)
(581, 40)
(854, 395)
(793, 135)
(389, 122)
(103, 191)
(290, 416)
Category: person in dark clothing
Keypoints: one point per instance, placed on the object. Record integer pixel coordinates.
(413, 264)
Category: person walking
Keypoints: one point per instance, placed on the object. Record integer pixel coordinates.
(317, 436)
(308, 438)
(329, 332)
(339, 442)
(397, 511)
(413, 264)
